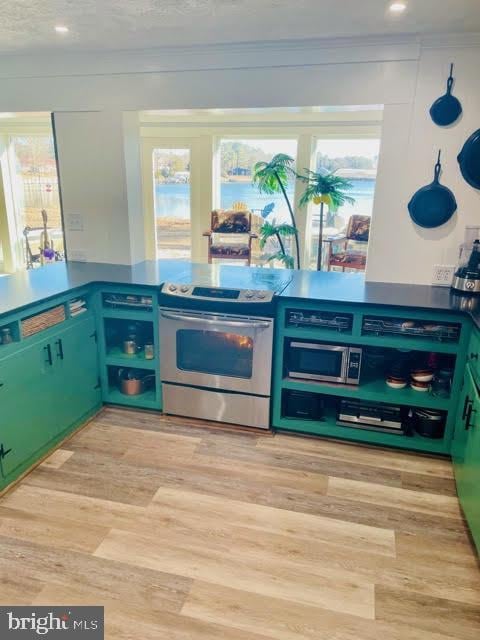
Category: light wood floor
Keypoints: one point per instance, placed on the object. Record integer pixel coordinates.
(187, 533)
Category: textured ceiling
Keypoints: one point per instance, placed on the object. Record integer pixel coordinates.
(27, 25)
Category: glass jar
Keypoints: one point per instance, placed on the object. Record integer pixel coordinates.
(6, 336)
(442, 383)
(148, 351)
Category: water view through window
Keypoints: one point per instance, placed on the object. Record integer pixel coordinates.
(171, 172)
(355, 159)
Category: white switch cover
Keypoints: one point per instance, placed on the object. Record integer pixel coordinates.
(77, 256)
(443, 275)
(75, 222)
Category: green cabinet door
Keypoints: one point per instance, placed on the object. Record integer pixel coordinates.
(76, 373)
(466, 454)
(26, 412)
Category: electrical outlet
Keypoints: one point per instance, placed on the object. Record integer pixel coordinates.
(77, 256)
(443, 275)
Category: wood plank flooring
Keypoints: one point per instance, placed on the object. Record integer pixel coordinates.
(186, 532)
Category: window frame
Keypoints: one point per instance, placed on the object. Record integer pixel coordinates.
(11, 237)
(205, 138)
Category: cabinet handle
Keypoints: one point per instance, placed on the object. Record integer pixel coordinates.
(465, 406)
(469, 416)
(59, 344)
(3, 452)
(49, 359)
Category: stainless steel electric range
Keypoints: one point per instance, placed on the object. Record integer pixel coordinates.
(216, 335)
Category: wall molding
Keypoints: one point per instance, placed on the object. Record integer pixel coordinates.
(239, 55)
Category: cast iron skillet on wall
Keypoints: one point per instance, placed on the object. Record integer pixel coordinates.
(469, 160)
(446, 109)
(432, 205)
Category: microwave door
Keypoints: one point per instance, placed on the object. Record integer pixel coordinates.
(321, 362)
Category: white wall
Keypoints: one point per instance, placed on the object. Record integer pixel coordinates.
(401, 251)
(402, 73)
(103, 220)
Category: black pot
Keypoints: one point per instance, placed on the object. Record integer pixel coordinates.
(430, 424)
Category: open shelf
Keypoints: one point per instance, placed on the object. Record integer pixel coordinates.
(115, 356)
(146, 400)
(391, 341)
(374, 390)
(11, 331)
(127, 314)
(330, 429)
(326, 425)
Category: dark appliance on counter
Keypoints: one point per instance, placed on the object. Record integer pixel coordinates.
(216, 341)
(323, 362)
(467, 275)
(372, 416)
(302, 405)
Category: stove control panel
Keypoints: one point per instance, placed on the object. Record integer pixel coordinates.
(217, 293)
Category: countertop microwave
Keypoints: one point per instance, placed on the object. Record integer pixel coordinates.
(324, 362)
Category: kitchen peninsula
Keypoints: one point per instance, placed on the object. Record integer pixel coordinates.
(62, 358)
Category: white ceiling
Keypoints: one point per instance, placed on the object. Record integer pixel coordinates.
(28, 25)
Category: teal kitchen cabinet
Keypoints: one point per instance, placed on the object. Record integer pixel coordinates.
(466, 454)
(75, 362)
(46, 389)
(26, 412)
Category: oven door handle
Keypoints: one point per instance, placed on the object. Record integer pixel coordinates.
(258, 324)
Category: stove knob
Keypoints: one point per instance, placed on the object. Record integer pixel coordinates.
(184, 289)
(261, 295)
(172, 287)
(249, 294)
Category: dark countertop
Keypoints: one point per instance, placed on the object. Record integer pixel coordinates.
(351, 287)
(27, 288)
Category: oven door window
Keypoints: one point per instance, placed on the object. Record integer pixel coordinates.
(215, 352)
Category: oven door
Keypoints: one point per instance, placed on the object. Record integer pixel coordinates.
(315, 361)
(228, 352)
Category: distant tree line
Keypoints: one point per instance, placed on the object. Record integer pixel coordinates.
(238, 159)
(345, 162)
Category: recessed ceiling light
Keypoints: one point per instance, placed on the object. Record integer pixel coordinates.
(398, 7)
(61, 29)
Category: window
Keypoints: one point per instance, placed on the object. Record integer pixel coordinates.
(237, 161)
(355, 160)
(33, 183)
(171, 174)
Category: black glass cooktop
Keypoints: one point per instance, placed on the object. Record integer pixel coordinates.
(231, 277)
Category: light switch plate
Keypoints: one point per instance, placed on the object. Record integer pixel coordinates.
(77, 256)
(443, 275)
(75, 222)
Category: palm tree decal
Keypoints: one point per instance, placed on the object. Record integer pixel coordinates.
(272, 177)
(324, 188)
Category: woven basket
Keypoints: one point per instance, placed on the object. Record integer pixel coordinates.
(41, 321)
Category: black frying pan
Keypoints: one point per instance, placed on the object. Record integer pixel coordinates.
(469, 160)
(446, 109)
(432, 205)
